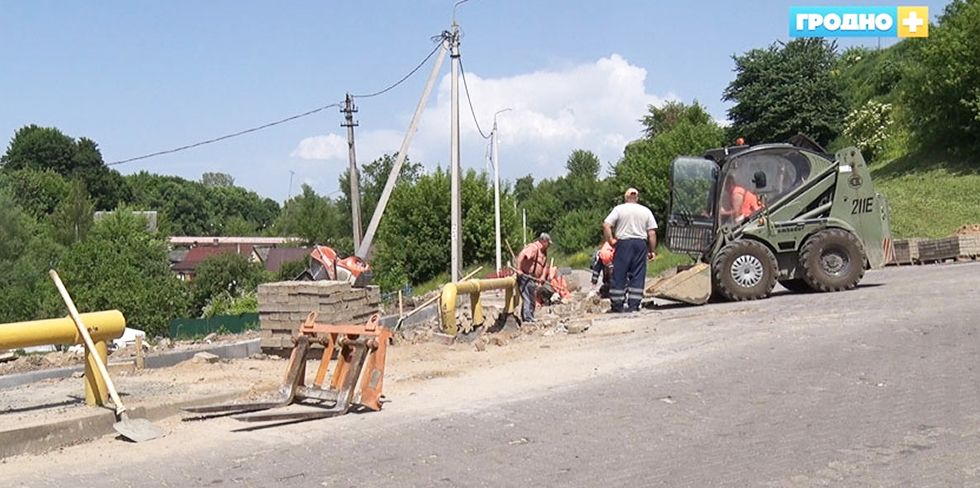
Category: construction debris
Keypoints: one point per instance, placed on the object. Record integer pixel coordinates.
(206, 357)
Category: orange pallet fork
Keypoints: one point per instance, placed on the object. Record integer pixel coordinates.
(357, 378)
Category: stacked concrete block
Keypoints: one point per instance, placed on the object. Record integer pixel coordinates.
(937, 250)
(285, 305)
(969, 245)
(906, 251)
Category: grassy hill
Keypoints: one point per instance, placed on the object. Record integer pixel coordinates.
(930, 196)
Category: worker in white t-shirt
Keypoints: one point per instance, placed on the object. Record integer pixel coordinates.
(632, 230)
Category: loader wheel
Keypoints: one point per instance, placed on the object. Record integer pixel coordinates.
(832, 260)
(745, 270)
(796, 285)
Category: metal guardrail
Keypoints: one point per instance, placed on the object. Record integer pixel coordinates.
(451, 291)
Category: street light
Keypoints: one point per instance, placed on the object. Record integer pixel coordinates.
(496, 181)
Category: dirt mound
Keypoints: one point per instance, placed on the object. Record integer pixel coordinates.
(968, 230)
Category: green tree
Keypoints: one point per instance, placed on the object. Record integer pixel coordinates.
(47, 148)
(73, 217)
(942, 90)
(40, 148)
(226, 273)
(372, 181)
(121, 266)
(787, 89)
(217, 180)
(26, 254)
(579, 229)
(413, 238)
(662, 119)
(523, 188)
(646, 162)
(182, 204)
(316, 219)
(38, 192)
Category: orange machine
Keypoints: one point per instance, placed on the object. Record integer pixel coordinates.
(356, 379)
(326, 264)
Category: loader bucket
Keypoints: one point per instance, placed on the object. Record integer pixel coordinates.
(688, 284)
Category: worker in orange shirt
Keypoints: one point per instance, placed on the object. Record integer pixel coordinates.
(602, 263)
(532, 268)
(742, 202)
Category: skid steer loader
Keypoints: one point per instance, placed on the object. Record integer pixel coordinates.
(813, 222)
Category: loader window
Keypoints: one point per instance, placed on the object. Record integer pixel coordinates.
(690, 225)
(765, 176)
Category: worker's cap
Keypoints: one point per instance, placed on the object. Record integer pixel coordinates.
(632, 191)
(544, 237)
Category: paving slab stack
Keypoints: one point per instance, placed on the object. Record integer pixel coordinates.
(284, 305)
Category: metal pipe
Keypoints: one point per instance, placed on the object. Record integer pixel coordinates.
(102, 326)
(451, 291)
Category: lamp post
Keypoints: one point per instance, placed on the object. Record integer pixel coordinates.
(494, 142)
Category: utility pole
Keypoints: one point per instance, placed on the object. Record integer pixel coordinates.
(289, 195)
(455, 226)
(379, 210)
(355, 191)
(494, 142)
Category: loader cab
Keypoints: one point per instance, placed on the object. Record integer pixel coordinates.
(727, 187)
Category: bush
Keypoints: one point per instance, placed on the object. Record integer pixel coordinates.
(121, 266)
(225, 273)
(868, 127)
(578, 230)
(226, 304)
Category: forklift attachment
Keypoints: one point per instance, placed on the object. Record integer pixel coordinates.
(356, 378)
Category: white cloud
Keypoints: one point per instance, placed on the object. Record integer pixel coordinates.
(330, 146)
(333, 147)
(594, 106)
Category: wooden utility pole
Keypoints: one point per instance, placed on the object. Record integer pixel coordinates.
(355, 191)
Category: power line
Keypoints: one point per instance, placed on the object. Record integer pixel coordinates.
(438, 38)
(407, 76)
(470, 100)
(228, 136)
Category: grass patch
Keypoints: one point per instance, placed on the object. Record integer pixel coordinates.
(666, 260)
(929, 196)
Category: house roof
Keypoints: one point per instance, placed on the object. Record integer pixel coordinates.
(281, 255)
(200, 253)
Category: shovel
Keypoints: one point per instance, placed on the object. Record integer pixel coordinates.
(136, 430)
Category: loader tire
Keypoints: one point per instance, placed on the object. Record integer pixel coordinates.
(797, 285)
(744, 270)
(832, 260)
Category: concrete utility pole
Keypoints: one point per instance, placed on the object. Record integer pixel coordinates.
(355, 190)
(524, 214)
(455, 226)
(494, 142)
(379, 210)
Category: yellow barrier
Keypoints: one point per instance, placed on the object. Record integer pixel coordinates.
(102, 326)
(451, 291)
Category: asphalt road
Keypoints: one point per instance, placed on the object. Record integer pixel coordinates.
(874, 387)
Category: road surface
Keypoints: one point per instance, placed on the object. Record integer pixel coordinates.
(873, 387)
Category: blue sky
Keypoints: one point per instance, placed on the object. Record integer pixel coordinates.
(138, 77)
